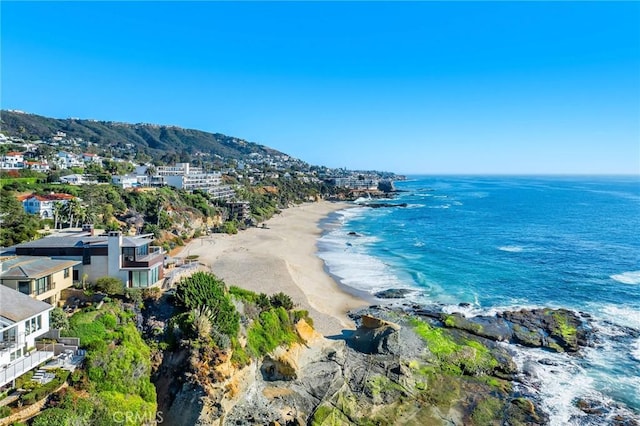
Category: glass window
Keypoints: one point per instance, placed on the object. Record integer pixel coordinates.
(24, 287)
(42, 285)
(66, 272)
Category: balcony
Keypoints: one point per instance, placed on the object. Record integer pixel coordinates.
(20, 366)
(156, 255)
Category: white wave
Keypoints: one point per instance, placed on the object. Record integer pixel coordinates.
(635, 352)
(443, 206)
(345, 257)
(631, 277)
(511, 249)
(622, 315)
(556, 385)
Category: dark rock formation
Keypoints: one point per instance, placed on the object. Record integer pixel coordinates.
(393, 293)
(376, 336)
(381, 205)
(386, 186)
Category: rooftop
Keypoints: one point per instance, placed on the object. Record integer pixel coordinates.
(17, 307)
(33, 267)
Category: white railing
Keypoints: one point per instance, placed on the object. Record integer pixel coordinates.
(22, 365)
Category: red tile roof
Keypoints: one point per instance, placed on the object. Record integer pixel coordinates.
(47, 197)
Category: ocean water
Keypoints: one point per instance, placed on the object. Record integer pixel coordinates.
(501, 243)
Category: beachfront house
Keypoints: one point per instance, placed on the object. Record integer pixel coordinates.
(22, 320)
(42, 278)
(132, 259)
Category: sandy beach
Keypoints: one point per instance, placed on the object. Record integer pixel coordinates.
(282, 258)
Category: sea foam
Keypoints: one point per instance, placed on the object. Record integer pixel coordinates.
(631, 277)
(511, 249)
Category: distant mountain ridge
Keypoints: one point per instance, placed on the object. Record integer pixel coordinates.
(152, 139)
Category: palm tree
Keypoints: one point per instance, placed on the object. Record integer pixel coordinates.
(58, 209)
(71, 209)
(81, 215)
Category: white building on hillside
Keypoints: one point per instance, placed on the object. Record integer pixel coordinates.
(12, 161)
(22, 320)
(183, 176)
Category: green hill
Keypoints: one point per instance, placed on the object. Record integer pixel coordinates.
(156, 141)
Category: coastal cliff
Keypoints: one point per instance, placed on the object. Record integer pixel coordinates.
(400, 366)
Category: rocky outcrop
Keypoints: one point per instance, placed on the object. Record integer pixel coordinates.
(393, 293)
(417, 366)
(375, 336)
(557, 330)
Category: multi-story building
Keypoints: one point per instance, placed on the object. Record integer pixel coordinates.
(42, 278)
(12, 161)
(184, 176)
(132, 259)
(91, 158)
(38, 166)
(43, 205)
(356, 183)
(66, 160)
(22, 320)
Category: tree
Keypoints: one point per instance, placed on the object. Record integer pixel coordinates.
(110, 285)
(205, 290)
(15, 225)
(58, 319)
(58, 209)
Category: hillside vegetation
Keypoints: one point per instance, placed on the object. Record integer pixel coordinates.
(154, 140)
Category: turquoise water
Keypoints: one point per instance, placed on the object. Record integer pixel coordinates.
(507, 242)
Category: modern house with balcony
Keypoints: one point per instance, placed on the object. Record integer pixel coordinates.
(42, 278)
(22, 320)
(132, 259)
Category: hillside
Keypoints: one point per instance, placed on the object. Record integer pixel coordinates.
(156, 141)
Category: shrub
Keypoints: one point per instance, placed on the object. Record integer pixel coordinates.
(52, 417)
(134, 295)
(263, 302)
(272, 329)
(110, 285)
(4, 411)
(281, 300)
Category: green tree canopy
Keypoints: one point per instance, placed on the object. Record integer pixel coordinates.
(205, 290)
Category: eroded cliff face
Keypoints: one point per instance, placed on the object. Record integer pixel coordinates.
(394, 369)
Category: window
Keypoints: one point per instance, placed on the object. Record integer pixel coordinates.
(66, 272)
(32, 325)
(24, 287)
(42, 285)
(9, 336)
(15, 355)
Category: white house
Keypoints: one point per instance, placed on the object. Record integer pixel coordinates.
(38, 166)
(42, 205)
(76, 179)
(22, 320)
(12, 161)
(125, 181)
(66, 160)
(91, 158)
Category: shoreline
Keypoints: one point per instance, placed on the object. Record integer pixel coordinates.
(283, 257)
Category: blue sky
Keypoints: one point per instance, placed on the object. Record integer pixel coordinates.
(418, 87)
